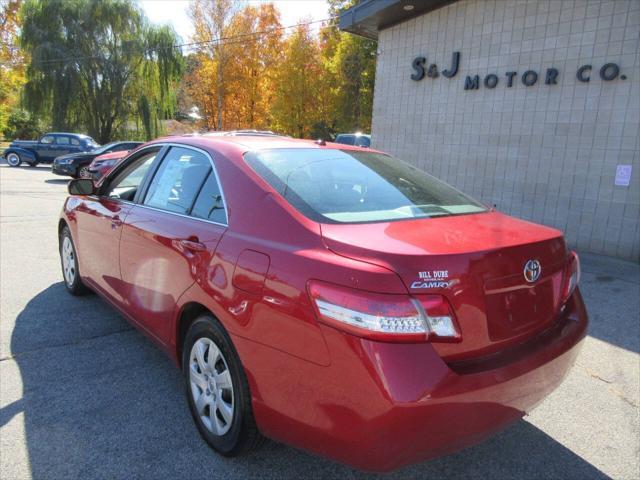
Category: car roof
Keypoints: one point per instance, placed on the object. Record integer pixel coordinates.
(81, 135)
(245, 143)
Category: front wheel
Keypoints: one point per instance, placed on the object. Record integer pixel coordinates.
(69, 262)
(83, 172)
(13, 160)
(217, 389)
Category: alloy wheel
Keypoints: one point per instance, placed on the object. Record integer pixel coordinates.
(68, 261)
(211, 386)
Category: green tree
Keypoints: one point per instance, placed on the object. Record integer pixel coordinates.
(21, 125)
(349, 63)
(97, 63)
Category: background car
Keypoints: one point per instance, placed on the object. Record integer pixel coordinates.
(327, 296)
(47, 148)
(358, 139)
(103, 164)
(76, 165)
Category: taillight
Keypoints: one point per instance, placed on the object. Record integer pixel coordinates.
(392, 318)
(571, 276)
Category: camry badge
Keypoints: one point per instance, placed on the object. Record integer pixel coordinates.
(532, 271)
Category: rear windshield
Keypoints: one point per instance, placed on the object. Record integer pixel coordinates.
(342, 186)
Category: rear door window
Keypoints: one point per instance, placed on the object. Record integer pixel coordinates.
(178, 180)
(209, 203)
(62, 140)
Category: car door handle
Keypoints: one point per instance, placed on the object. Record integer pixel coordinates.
(116, 222)
(193, 245)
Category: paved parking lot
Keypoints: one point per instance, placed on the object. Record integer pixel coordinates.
(83, 395)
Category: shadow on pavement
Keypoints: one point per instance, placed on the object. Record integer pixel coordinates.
(57, 181)
(100, 401)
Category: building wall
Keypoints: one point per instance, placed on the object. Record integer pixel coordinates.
(546, 153)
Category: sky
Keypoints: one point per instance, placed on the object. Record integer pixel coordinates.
(174, 12)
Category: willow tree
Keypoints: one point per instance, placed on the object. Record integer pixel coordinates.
(98, 64)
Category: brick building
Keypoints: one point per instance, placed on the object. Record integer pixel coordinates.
(531, 105)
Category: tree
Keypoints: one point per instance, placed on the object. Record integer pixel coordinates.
(11, 60)
(21, 125)
(297, 84)
(256, 54)
(211, 20)
(95, 64)
(349, 63)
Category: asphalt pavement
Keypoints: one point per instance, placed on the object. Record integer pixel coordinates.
(84, 395)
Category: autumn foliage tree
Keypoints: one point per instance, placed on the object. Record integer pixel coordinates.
(238, 51)
(11, 61)
(251, 72)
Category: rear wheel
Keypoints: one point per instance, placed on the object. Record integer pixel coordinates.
(13, 160)
(69, 262)
(217, 389)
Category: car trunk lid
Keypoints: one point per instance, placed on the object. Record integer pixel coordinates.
(477, 262)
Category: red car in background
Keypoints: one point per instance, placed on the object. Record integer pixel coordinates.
(103, 164)
(327, 296)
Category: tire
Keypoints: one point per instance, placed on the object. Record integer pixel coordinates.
(69, 264)
(229, 434)
(14, 160)
(83, 172)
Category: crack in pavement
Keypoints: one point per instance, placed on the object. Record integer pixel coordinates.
(611, 384)
(67, 344)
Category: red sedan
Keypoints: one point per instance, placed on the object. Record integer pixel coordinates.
(103, 164)
(327, 296)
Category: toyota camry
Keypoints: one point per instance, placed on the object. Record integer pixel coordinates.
(327, 296)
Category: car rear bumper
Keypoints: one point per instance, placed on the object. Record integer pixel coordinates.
(380, 406)
(68, 170)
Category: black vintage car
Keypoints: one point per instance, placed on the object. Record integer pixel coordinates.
(47, 148)
(76, 165)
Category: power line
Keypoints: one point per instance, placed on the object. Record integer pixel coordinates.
(220, 41)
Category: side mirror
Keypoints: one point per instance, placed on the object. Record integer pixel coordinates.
(81, 186)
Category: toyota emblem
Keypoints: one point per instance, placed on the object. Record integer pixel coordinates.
(532, 271)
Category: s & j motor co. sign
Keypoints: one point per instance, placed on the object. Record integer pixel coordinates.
(421, 69)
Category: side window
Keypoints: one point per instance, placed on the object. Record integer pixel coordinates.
(75, 141)
(47, 139)
(62, 140)
(126, 184)
(178, 180)
(209, 204)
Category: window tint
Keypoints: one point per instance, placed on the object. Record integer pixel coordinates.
(75, 141)
(343, 186)
(62, 140)
(362, 141)
(178, 180)
(346, 139)
(126, 184)
(47, 139)
(209, 204)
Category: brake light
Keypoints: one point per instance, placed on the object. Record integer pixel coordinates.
(395, 318)
(571, 276)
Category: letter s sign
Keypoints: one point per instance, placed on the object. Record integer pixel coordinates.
(418, 66)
